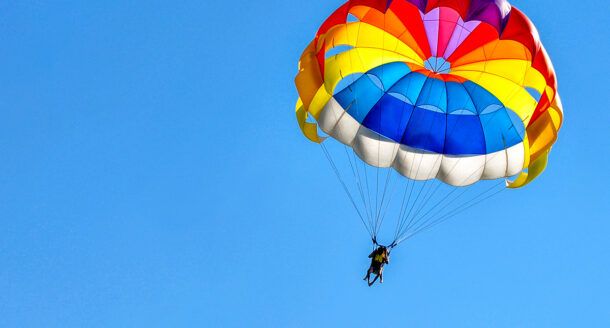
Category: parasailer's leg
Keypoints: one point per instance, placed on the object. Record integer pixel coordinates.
(372, 282)
(381, 276)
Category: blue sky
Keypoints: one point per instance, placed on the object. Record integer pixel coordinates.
(153, 175)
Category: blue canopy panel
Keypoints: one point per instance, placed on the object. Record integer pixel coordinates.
(389, 117)
(426, 130)
(390, 73)
(410, 87)
(433, 96)
(458, 100)
(358, 98)
(464, 135)
(481, 98)
(500, 131)
(427, 113)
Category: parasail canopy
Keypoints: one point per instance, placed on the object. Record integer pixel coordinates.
(454, 90)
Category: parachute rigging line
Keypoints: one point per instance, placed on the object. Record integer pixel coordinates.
(349, 195)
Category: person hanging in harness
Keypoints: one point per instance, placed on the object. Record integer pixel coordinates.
(379, 258)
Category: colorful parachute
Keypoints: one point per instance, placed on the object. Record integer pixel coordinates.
(455, 90)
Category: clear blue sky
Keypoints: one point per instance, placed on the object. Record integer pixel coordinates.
(153, 175)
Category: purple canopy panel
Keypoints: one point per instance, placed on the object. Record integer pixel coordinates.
(431, 26)
(493, 12)
(461, 32)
